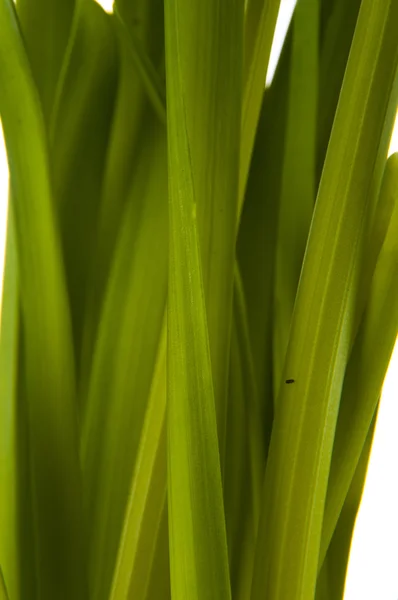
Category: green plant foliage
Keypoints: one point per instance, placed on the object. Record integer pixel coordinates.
(199, 300)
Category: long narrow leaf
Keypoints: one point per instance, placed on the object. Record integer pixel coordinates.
(198, 550)
(260, 25)
(365, 372)
(79, 136)
(50, 388)
(322, 326)
(125, 356)
(210, 48)
(147, 499)
(299, 169)
(9, 329)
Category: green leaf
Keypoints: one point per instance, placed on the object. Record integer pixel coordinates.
(198, 549)
(298, 180)
(334, 569)
(246, 451)
(125, 355)
(9, 328)
(49, 372)
(335, 47)
(144, 21)
(210, 61)
(147, 498)
(256, 244)
(261, 16)
(366, 368)
(322, 326)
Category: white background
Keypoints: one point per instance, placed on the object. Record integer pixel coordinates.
(373, 567)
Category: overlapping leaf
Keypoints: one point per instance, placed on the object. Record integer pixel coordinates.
(49, 369)
(321, 334)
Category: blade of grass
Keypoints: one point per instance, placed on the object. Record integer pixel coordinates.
(50, 388)
(321, 333)
(210, 61)
(376, 231)
(147, 499)
(298, 181)
(365, 371)
(198, 549)
(159, 581)
(335, 47)
(26, 535)
(125, 355)
(261, 16)
(256, 242)
(9, 329)
(334, 568)
(254, 442)
(235, 457)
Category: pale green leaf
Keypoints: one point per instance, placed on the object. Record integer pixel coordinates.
(9, 329)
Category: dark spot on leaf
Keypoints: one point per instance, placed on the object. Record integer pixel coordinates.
(289, 381)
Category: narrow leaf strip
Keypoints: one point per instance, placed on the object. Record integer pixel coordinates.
(322, 325)
(210, 60)
(3, 589)
(198, 549)
(9, 329)
(50, 387)
(260, 26)
(334, 51)
(147, 495)
(125, 356)
(334, 568)
(365, 374)
(244, 403)
(298, 181)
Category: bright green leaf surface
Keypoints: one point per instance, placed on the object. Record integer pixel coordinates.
(209, 58)
(9, 320)
(125, 356)
(261, 19)
(331, 579)
(198, 549)
(147, 500)
(365, 371)
(302, 437)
